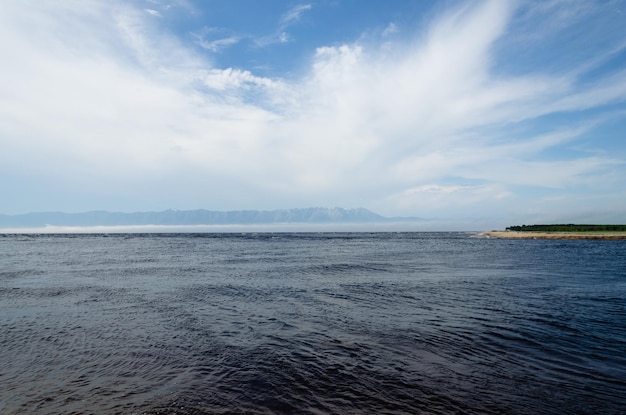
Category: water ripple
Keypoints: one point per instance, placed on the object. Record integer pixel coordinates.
(311, 324)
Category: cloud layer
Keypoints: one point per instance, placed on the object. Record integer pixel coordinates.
(103, 107)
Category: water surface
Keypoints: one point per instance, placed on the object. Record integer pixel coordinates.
(385, 323)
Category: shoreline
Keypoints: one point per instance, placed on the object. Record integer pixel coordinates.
(555, 235)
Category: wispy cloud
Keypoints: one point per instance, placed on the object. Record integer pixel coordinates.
(291, 17)
(217, 45)
(446, 199)
(206, 39)
(152, 12)
(390, 29)
(294, 14)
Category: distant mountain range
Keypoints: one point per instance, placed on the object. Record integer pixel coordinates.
(198, 217)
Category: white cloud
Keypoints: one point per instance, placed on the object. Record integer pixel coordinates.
(97, 96)
(235, 78)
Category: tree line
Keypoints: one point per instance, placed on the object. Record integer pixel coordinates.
(568, 228)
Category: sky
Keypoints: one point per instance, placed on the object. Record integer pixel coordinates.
(503, 112)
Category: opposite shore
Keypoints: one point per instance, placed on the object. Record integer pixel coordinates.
(555, 235)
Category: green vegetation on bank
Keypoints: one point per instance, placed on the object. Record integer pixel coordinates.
(568, 228)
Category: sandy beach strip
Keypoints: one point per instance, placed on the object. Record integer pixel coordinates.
(555, 235)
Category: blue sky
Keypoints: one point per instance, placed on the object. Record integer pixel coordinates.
(492, 112)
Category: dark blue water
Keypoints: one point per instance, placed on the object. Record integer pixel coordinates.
(413, 323)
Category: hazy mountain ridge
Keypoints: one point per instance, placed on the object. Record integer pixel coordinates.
(197, 217)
